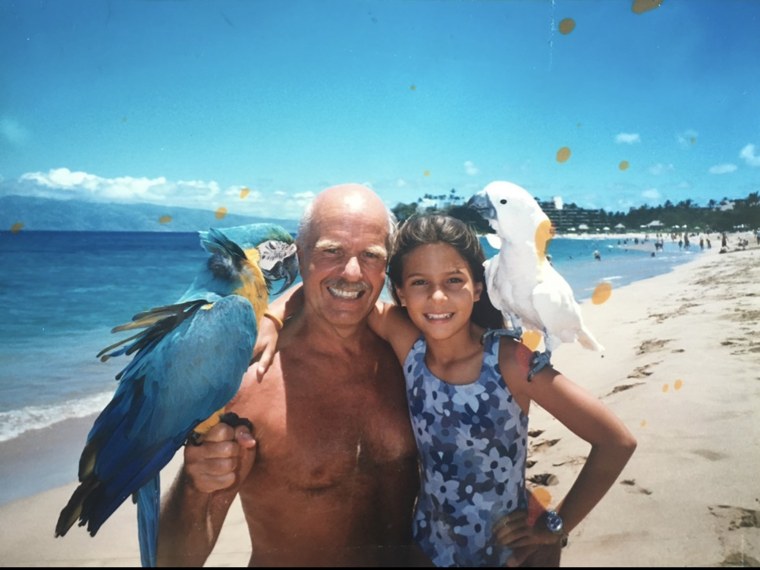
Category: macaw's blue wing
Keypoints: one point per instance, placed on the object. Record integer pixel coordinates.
(188, 364)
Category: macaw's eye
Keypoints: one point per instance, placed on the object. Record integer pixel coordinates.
(503, 200)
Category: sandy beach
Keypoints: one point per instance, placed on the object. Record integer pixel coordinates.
(681, 368)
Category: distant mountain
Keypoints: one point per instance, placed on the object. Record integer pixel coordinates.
(77, 215)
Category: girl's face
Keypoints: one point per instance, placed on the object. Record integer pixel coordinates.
(438, 290)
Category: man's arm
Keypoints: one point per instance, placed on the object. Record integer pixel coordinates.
(200, 497)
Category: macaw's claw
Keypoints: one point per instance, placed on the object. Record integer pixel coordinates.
(232, 419)
(540, 360)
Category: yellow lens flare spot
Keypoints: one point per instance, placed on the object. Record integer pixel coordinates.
(566, 26)
(531, 339)
(643, 423)
(678, 384)
(544, 234)
(641, 6)
(221, 211)
(164, 219)
(16, 228)
(624, 164)
(426, 173)
(541, 495)
(412, 88)
(563, 154)
(244, 193)
(665, 388)
(601, 293)
(539, 500)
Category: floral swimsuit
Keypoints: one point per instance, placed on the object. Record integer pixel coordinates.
(472, 442)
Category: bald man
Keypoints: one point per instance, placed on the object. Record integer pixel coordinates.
(336, 465)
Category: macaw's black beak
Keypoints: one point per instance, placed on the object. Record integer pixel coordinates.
(278, 262)
(481, 203)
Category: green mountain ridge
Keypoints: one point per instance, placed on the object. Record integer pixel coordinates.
(45, 214)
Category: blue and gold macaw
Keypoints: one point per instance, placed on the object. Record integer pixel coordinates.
(188, 363)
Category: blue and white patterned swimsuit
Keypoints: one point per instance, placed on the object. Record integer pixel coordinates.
(472, 442)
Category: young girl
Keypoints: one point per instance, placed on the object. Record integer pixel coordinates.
(469, 399)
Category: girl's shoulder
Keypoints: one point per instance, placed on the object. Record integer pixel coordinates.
(514, 358)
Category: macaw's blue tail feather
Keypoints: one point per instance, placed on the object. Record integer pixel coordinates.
(148, 498)
(159, 322)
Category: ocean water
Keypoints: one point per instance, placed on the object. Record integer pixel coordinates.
(62, 292)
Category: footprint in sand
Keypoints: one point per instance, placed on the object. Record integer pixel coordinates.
(641, 372)
(651, 345)
(730, 518)
(623, 387)
(545, 443)
(736, 517)
(544, 479)
(634, 487)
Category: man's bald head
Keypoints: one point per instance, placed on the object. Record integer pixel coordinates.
(344, 199)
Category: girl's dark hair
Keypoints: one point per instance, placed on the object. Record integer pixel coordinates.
(438, 228)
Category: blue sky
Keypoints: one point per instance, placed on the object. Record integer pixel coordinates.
(186, 103)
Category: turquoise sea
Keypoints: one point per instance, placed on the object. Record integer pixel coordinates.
(62, 292)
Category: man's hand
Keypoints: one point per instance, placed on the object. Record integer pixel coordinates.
(224, 458)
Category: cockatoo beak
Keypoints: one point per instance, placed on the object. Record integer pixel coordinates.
(481, 203)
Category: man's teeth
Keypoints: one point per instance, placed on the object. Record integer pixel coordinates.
(438, 316)
(343, 294)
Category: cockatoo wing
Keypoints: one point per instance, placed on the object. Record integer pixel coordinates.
(560, 313)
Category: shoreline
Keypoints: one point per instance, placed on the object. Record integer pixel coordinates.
(682, 370)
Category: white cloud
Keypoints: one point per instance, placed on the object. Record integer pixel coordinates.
(125, 189)
(470, 168)
(722, 169)
(62, 183)
(627, 138)
(659, 168)
(651, 194)
(13, 132)
(750, 156)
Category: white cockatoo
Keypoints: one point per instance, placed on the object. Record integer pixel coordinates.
(521, 281)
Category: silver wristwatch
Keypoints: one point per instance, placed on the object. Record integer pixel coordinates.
(556, 526)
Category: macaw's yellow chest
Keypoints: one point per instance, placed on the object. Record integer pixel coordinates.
(253, 284)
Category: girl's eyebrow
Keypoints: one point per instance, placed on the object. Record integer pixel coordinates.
(456, 271)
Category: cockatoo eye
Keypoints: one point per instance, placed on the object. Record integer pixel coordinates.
(503, 200)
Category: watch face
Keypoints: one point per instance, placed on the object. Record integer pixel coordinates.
(554, 522)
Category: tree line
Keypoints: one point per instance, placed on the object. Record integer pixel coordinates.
(716, 216)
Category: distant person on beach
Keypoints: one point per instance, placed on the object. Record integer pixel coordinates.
(469, 400)
(597, 255)
(336, 471)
